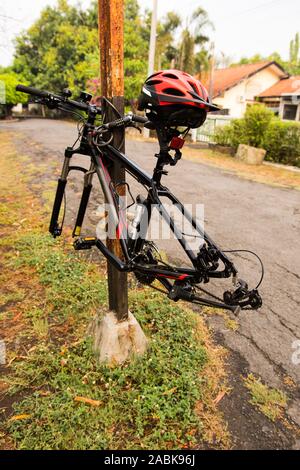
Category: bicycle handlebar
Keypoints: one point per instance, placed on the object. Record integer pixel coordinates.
(53, 100)
(33, 91)
(123, 121)
(57, 99)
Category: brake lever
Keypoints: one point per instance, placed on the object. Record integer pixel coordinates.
(49, 102)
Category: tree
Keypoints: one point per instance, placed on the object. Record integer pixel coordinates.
(292, 66)
(59, 49)
(165, 51)
(294, 63)
(294, 50)
(135, 50)
(9, 97)
(193, 36)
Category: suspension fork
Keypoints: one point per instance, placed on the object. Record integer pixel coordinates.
(54, 227)
(88, 180)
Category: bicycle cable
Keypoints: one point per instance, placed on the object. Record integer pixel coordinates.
(236, 251)
(259, 259)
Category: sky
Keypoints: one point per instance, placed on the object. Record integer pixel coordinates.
(242, 27)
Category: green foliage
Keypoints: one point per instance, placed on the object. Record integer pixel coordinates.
(256, 121)
(282, 142)
(148, 403)
(249, 130)
(260, 128)
(135, 51)
(270, 401)
(70, 288)
(59, 49)
(292, 66)
(9, 81)
(294, 50)
(194, 36)
(165, 51)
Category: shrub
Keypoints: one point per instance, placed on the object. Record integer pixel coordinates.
(9, 81)
(233, 134)
(260, 128)
(282, 142)
(256, 121)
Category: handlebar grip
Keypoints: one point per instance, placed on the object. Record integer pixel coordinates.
(118, 122)
(33, 91)
(141, 119)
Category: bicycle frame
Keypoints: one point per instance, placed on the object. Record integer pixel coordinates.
(137, 252)
(99, 164)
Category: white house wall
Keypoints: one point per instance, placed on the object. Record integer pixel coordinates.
(237, 98)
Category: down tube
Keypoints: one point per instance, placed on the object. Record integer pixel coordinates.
(177, 232)
(195, 224)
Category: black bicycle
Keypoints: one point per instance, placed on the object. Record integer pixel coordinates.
(140, 255)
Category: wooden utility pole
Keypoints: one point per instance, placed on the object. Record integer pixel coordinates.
(111, 40)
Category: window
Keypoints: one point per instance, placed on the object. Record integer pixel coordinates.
(290, 112)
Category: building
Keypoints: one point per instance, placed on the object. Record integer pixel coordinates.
(283, 98)
(236, 87)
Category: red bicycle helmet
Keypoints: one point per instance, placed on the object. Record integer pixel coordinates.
(176, 98)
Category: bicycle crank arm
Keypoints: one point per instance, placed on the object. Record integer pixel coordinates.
(114, 260)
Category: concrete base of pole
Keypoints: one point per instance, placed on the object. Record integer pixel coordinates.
(115, 342)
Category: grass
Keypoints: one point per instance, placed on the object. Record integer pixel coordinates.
(270, 401)
(56, 395)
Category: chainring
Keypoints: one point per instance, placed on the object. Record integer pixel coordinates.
(146, 257)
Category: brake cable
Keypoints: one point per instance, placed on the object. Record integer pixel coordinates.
(259, 259)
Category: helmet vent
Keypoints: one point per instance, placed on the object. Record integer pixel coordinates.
(173, 92)
(154, 75)
(170, 75)
(194, 88)
(153, 82)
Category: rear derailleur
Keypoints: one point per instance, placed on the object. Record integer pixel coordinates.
(243, 297)
(236, 300)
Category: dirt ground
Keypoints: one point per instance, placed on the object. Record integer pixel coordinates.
(239, 214)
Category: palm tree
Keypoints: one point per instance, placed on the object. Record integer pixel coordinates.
(165, 36)
(194, 36)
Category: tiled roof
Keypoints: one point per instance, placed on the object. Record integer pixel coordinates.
(286, 85)
(224, 79)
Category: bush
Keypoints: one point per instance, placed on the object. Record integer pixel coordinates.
(232, 134)
(282, 142)
(260, 128)
(11, 97)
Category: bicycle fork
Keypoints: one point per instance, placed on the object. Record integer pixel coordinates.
(54, 228)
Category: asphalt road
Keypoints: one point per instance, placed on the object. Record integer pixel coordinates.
(238, 214)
